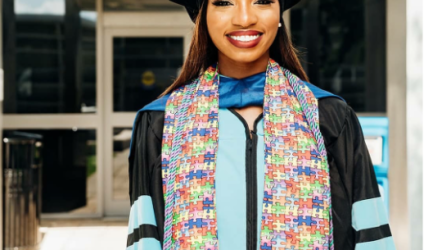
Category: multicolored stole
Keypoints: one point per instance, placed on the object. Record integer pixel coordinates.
(296, 212)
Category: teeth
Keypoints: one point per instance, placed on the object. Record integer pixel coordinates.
(244, 38)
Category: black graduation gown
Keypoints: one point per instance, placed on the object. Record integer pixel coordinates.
(352, 174)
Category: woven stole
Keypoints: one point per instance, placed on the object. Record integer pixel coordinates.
(296, 211)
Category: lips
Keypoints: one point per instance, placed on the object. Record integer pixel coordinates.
(244, 39)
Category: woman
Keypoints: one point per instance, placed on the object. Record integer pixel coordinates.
(241, 152)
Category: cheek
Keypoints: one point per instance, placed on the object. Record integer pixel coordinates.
(271, 20)
(271, 26)
(216, 26)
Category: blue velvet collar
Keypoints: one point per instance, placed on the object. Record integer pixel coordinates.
(238, 93)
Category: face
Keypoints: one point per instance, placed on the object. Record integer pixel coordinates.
(243, 30)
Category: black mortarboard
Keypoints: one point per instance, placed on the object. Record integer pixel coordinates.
(193, 6)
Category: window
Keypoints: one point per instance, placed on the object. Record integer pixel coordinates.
(343, 49)
(143, 67)
(49, 56)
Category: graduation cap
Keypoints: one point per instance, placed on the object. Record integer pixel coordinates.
(193, 6)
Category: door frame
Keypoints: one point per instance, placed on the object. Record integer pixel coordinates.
(160, 24)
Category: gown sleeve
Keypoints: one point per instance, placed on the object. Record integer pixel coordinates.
(368, 217)
(144, 160)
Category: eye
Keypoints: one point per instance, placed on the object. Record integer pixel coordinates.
(222, 3)
(265, 2)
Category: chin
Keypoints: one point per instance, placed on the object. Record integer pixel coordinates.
(245, 57)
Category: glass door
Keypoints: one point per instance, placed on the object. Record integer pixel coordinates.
(140, 63)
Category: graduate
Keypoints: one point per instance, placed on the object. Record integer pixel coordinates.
(242, 152)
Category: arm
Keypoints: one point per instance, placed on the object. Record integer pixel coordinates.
(144, 157)
(369, 215)
(359, 215)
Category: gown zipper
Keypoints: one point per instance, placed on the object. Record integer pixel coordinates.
(251, 181)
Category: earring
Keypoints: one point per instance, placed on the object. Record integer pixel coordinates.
(279, 25)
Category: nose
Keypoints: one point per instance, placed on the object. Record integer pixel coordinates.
(244, 15)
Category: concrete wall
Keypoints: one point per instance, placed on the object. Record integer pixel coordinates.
(396, 112)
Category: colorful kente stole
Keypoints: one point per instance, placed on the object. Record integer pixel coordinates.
(296, 212)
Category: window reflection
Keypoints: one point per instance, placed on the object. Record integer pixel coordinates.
(343, 45)
(49, 56)
(143, 68)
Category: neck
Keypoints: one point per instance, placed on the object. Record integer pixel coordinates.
(238, 69)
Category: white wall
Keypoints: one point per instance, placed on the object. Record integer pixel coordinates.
(404, 109)
(414, 104)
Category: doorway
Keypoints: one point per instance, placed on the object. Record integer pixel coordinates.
(140, 62)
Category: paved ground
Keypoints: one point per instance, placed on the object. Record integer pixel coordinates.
(83, 235)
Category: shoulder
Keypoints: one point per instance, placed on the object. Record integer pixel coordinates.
(320, 93)
(147, 127)
(337, 118)
(150, 120)
(151, 116)
(333, 114)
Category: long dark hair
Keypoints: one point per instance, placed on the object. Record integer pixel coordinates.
(204, 53)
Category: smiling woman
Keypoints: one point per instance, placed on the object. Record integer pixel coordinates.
(241, 152)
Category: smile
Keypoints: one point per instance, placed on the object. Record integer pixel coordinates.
(244, 39)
